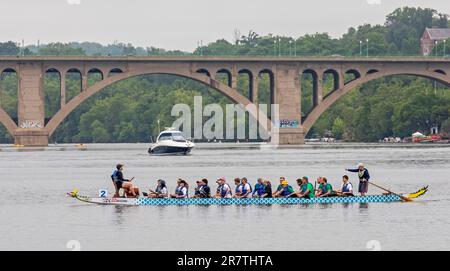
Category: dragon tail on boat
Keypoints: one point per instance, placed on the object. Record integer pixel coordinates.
(419, 193)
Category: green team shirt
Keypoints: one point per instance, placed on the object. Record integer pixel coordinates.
(309, 187)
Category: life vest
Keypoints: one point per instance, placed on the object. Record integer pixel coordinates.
(363, 173)
(114, 175)
(179, 191)
(260, 189)
(223, 190)
(239, 189)
(244, 191)
(286, 191)
(324, 188)
(201, 191)
(346, 188)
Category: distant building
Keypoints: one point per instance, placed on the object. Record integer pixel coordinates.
(430, 36)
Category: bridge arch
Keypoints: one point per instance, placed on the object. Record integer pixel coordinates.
(227, 73)
(5, 118)
(314, 115)
(96, 71)
(353, 72)
(229, 92)
(204, 71)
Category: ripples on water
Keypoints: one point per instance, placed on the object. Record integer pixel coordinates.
(36, 214)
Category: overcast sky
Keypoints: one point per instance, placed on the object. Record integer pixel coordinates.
(180, 24)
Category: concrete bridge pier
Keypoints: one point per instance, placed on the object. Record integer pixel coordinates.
(31, 107)
(287, 96)
(31, 137)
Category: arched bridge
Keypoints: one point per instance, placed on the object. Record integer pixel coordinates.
(285, 76)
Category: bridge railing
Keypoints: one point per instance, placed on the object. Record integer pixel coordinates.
(249, 54)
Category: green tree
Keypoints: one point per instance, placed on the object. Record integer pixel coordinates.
(60, 49)
(338, 128)
(99, 132)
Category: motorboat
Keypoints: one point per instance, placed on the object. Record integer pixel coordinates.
(171, 142)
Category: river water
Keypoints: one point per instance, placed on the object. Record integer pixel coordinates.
(35, 213)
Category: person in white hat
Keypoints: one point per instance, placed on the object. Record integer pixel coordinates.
(364, 177)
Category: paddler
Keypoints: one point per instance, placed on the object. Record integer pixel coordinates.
(238, 189)
(181, 192)
(202, 190)
(346, 188)
(306, 189)
(325, 189)
(246, 191)
(125, 184)
(224, 190)
(160, 191)
(268, 187)
(280, 186)
(260, 189)
(285, 190)
(363, 175)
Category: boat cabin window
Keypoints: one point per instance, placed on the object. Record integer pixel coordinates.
(177, 136)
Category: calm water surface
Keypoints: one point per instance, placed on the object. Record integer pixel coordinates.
(35, 213)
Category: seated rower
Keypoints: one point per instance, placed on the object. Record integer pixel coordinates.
(238, 189)
(160, 191)
(268, 189)
(125, 184)
(260, 189)
(325, 189)
(202, 190)
(280, 186)
(285, 190)
(246, 191)
(306, 189)
(346, 188)
(224, 190)
(197, 190)
(181, 192)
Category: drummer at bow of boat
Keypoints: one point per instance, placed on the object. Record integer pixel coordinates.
(119, 182)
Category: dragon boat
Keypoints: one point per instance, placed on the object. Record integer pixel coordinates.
(244, 201)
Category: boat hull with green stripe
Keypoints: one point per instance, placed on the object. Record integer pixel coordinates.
(236, 201)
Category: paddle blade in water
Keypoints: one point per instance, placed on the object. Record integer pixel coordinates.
(419, 193)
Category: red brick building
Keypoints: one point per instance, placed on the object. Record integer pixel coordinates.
(430, 37)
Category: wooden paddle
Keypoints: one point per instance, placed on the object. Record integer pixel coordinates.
(400, 196)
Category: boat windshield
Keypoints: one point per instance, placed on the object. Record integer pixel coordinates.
(172, 136)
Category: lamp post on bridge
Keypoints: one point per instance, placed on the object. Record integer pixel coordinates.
(436, 47)
(295, 47)
(360, 48)
(444, 46)
(279, 47)
(275, 47)
(290, 47)
(367, 41)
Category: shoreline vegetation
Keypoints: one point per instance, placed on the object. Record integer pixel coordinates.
(134, 110)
